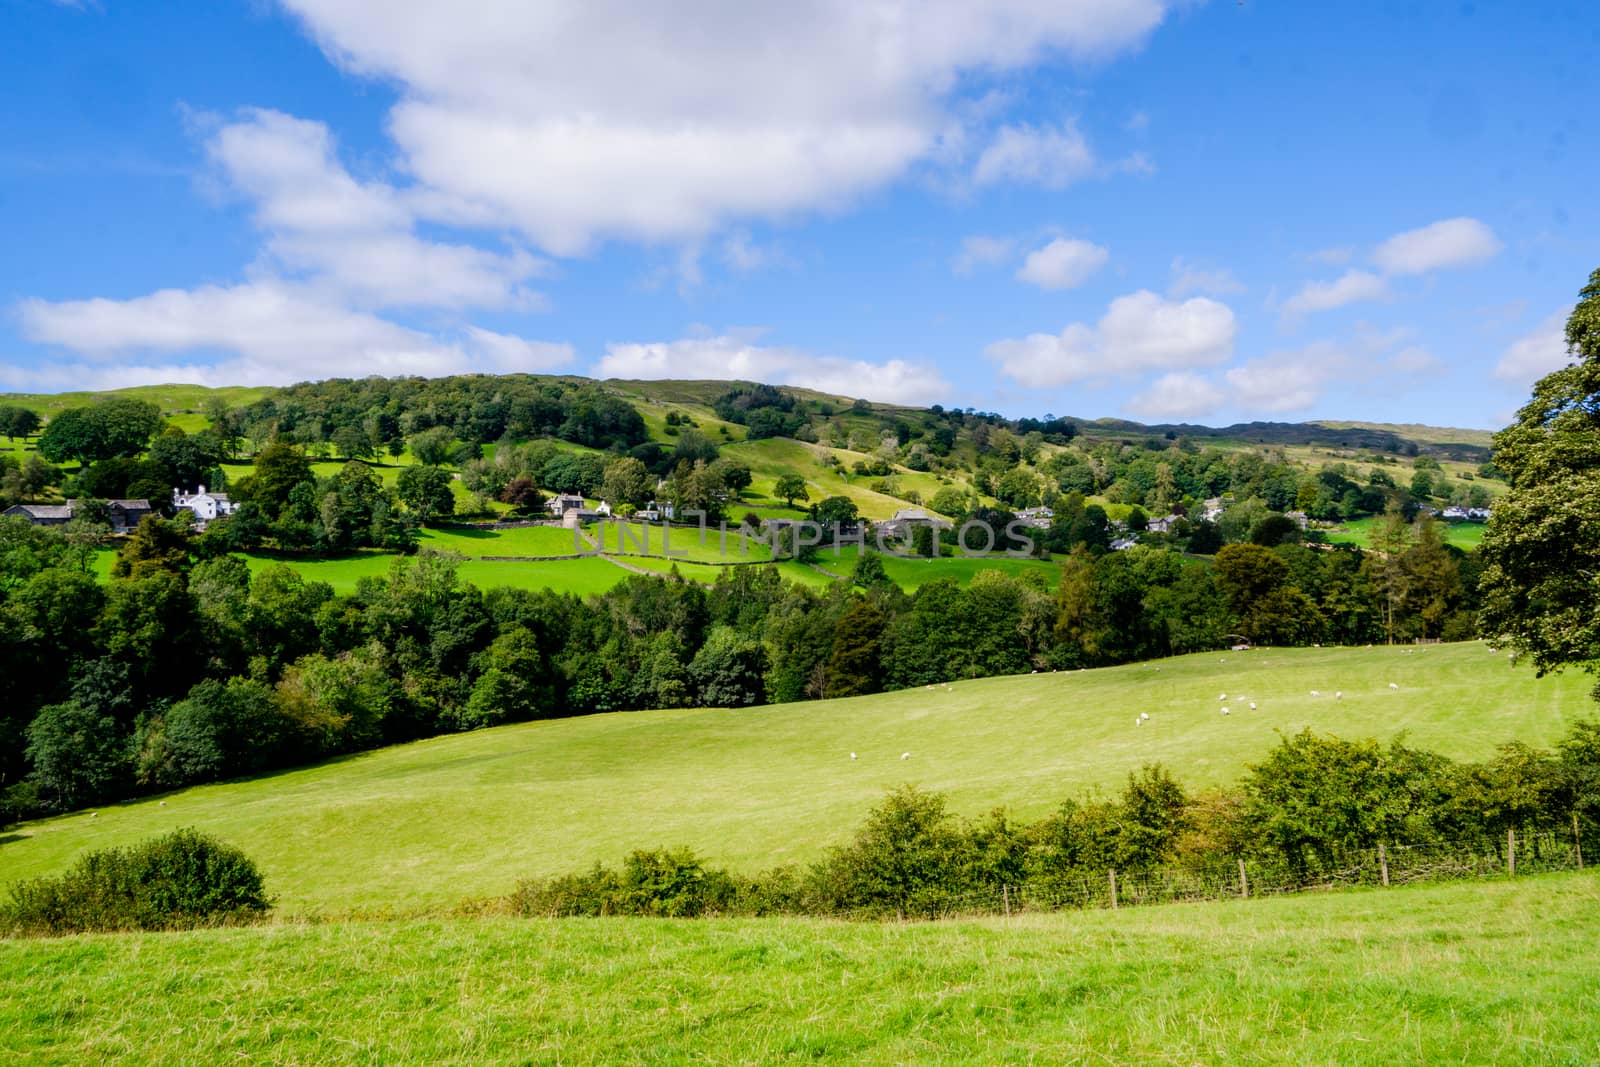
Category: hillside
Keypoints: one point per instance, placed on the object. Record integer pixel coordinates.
(1361, 979)
(427, 824)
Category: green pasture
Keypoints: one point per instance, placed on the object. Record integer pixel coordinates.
(1497, 972)
(426, 824)
(1463, 535)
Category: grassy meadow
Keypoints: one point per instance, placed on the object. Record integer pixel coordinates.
(1496, 972)
(1463, 535)
(422, 826)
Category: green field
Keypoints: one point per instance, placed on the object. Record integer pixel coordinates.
(422, 826)
(1463, 535)
(578, 576)
(1498, 972)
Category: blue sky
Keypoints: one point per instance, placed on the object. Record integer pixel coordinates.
(1166, 211)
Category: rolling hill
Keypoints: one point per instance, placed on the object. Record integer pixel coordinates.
(425, 825)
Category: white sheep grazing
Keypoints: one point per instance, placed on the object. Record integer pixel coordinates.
(1338, 694)
(852, 755)
(1138, 721)
(1224, 711)
(1252, 705)
(905, 755)
(1315, 693)
(163, 803)
(94, 815)
(1222, 696)
(1393, 686)
(1144, 715)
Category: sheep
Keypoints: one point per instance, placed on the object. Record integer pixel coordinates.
(1252, 705)
(852, 755)
(1222, 696)
(163, 803)
(1138, 721)
(905, 755)
(1144, 715)
(1338, 694)
(1315, 693)
(1393, 686)
(94, 815)
(1224, 711)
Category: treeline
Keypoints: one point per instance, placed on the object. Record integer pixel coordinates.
(1300, 815)
(359, 418)
(187, 667)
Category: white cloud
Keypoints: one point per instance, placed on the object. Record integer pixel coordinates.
(1536, 353)
(579, 121)
(981, 251)
(508, 354)
(1348, 288)
(1457, 242)
(1190, 278)
(735, 355)
(1139, 332)
(1286, 381)
(1062, 264)
(351, 237)
(1053, 157)
(1332, 257)
(1180, 395)
(268, 332)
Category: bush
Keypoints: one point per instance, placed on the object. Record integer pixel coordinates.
(671, 883)
(180, 880)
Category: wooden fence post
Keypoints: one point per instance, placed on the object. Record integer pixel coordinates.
(1005, 896)
(1244, 883)
(1511, 853)
(1113, 889)
(1577, 840)
(1383, 862)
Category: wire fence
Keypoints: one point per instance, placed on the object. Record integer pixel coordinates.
(1514, 856)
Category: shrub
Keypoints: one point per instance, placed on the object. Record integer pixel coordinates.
(180, 880)
(672, 883)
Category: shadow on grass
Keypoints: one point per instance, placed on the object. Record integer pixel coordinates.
(6, 839)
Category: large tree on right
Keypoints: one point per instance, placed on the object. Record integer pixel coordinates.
(1541, 582)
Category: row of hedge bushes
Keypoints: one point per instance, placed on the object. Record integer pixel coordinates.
(1299, 816)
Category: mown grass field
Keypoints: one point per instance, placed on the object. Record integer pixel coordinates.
(423, 826)
(1498, 972)
(1463, 535)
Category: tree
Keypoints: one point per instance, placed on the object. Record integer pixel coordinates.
(836, 509)
(433, 447)
(110, 428)
(523, 495)
(627, 481)
(791, 487)
(853, 668)
(426, 491)
(220, 730)
(1542, 546)
(352, 442)
(79, 753)
(950, 501)
(156, 545)
(727, 671)
(280, 466)
(18, 422)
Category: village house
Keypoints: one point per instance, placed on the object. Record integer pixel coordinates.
(202, 505)
(42, 514)
(562, 503)
(1165, 524)
(1038, 518)
(907, 519)
(124, 515)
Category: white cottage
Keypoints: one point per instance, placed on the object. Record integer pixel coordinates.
(202, 505)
